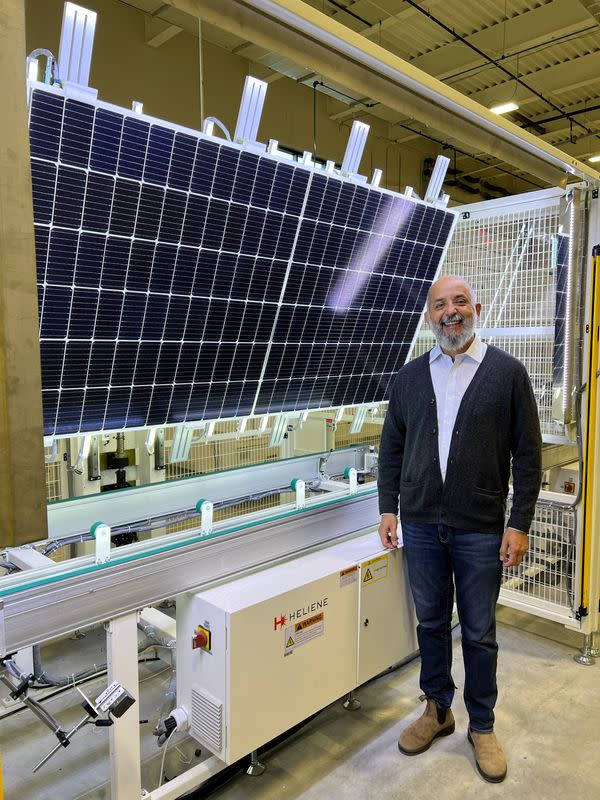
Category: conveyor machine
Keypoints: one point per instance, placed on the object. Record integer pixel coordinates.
(279, 612)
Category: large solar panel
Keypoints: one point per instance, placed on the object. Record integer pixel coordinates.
(183, 278)
(357, 285)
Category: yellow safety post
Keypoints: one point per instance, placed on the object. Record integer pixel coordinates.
(590, 428)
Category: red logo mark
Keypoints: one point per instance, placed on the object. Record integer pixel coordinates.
(277, 622)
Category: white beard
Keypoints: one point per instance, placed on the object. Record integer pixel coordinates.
(448, 339)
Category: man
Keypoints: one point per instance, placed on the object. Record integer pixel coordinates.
(459, 418)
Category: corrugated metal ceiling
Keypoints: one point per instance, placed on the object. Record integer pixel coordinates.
(550, 48)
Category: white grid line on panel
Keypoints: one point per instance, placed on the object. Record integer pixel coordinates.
(376, 255)
(282, 292)
(105, 236)
(323, 306)
(157, 242)
(295, 305)
(43, 308)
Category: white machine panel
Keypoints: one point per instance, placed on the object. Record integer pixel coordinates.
(387, 625)
(282, 647)
(387, 630)
(260, 654)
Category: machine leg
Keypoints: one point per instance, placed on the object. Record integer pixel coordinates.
(594, 649)
(588, 653)
(124, 735)
(351, 703)
(255, 768)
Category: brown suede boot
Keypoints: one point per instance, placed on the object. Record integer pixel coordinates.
(419, 736)
(488, 756)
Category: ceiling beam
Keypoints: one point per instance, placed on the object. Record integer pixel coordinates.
(157, 32)
(559, 78)
(300, 33)
(592, 7)
(535, 27)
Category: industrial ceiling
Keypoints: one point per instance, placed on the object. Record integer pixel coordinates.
(544, 55)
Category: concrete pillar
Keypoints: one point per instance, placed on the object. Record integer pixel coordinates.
(22, 471)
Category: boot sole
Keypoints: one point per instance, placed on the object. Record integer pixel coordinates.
(444, 732)
(485, 775)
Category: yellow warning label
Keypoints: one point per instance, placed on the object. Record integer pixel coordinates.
(376, 569)
(290, 642)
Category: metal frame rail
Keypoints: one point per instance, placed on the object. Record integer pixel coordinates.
(53, 605)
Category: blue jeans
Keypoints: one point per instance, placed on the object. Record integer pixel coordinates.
(434, 555)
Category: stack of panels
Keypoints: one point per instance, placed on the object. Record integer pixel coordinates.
(183, 279)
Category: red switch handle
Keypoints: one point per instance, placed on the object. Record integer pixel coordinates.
(200, 640)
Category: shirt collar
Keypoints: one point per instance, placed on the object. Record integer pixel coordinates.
(476, 351)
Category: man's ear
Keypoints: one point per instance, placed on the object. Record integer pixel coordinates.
(426, 317)
(478, 309)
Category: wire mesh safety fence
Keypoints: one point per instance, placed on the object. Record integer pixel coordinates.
(369, 434)
(548, 569)
(509, 257)
(221, 451)
(54, 484)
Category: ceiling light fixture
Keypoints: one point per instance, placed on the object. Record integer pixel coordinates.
(504, 108)
(594, 159)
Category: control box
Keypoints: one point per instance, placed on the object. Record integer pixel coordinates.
(259, 654)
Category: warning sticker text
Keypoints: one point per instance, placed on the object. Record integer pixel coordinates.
(348, 576)
(303, 632)
(374, 570)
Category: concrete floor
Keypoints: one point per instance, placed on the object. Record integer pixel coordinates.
(548, 718)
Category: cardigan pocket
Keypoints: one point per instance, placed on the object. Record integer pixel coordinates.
(414, 496)
(490, 492)
(490, 504)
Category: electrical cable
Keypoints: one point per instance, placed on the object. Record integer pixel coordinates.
(164, 755)
(62, 689)
(160, 521)
(495, 62)
(219, 125)
(41, 676)
(433, 138)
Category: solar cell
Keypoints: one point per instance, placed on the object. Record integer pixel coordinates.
(182, 278)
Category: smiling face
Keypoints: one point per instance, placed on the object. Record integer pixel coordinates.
(452, 313)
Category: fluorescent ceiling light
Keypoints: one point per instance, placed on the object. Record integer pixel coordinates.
(594, 159)
(504, 108)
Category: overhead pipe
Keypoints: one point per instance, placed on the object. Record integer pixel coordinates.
(298, 32)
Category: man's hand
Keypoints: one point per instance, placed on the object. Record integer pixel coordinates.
(513, 548)
(388, 531)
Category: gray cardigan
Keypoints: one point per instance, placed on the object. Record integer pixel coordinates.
(497, 420)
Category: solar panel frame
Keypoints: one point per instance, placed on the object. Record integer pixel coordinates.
(203, 238)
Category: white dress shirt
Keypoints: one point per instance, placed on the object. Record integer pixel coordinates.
(451, 379)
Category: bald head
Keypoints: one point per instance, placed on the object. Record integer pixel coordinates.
(452, 284)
